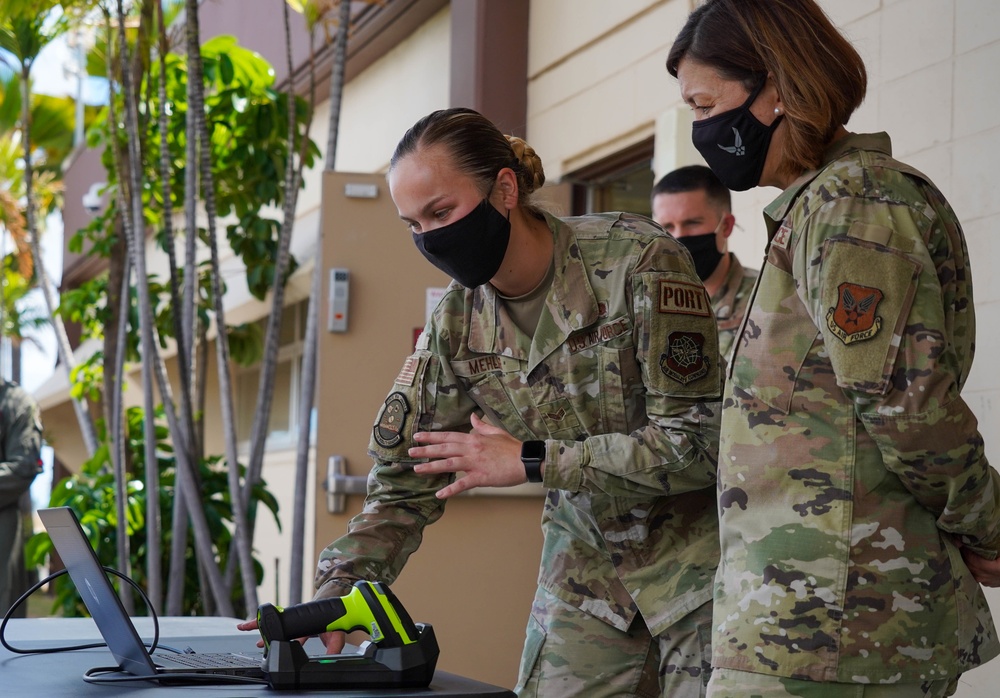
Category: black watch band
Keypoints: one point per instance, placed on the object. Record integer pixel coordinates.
(533, 455)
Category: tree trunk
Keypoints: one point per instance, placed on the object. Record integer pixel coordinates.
(135, 233)
(80, 405)
(196, 101)
(310, 373)
(269, 365)
(118, 428)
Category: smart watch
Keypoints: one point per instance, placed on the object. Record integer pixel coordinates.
(532, 455)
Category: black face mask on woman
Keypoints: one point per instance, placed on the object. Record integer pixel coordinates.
(734, 143)
(471, 249)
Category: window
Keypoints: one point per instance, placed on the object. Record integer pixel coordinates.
(284, 419)
(621, 182)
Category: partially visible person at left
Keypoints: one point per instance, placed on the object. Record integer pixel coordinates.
(20, 462)
(693, 206)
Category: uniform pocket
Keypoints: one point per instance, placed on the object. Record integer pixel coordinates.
(777, 336)
(491, 393)
(534, 639)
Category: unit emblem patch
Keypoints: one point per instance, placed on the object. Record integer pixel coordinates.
(853, 319)
(685, 360)
(388, 431)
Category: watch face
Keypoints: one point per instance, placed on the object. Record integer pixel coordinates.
(533, 450)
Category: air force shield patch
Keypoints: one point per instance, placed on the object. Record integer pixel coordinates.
(853, 319)
(685, 360)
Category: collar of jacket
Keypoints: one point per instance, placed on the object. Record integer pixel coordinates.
(725, 295)
(570, 306)
(776, 211)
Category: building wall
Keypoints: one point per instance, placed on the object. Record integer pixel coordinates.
(390, 95)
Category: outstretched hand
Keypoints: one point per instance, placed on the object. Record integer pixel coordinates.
(488, 455)
(334, 642)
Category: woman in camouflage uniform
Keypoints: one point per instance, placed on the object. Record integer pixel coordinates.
(852, 475)
(578, 353)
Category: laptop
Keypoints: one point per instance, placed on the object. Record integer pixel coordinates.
(114, 623)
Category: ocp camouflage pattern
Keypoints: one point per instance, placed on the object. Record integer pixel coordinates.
(730, 304)
(622, 381)
(850, 467)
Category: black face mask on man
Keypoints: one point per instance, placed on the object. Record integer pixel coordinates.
(734, 143)
(704, 251)
(471, 249)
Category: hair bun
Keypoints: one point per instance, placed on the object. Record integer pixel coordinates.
(533, 173)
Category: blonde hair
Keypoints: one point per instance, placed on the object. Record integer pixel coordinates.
(478, 149)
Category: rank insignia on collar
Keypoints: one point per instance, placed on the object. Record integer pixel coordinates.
(853, 318)
(782, 236)
(685, 359)
(388, 431)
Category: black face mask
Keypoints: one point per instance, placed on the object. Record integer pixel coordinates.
(471, 249)
(704, 251)
(734, 144)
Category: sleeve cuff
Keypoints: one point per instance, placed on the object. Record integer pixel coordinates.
(562, 469)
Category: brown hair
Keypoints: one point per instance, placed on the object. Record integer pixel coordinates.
(478, 149)
(820, 77)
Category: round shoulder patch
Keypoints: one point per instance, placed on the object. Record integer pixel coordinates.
(388, 430)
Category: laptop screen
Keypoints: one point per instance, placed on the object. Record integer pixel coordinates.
(96, 590)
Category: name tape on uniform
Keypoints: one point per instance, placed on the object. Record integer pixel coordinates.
(683, 298)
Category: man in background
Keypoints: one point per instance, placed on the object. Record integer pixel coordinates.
(693, 206)
(20, 462)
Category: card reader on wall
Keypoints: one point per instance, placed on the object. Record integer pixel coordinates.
(339, 292)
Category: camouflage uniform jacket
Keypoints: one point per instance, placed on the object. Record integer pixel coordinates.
(20, 446)
(849, 464)
(730, 303)
(20, 442)
(622, 382)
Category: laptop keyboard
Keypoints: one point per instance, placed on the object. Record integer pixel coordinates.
(212, 660)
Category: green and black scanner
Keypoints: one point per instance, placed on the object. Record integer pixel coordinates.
(401, 653)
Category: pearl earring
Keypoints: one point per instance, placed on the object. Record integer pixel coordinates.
(777, 111)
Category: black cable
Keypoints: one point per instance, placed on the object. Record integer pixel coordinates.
(50, 650)
(91, 676)
(94, 675)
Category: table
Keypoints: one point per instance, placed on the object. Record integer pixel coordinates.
(61, 674)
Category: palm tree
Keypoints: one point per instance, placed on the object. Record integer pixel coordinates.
(27, 26)
(18, 320)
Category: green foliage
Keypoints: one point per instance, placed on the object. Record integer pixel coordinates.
(248, 131)
(85, 306)
(91, 494)
(246, 343)
(28, 26)
(18, 316)
(87, 378)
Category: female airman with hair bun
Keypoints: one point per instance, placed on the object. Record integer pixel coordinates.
(576, 353)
